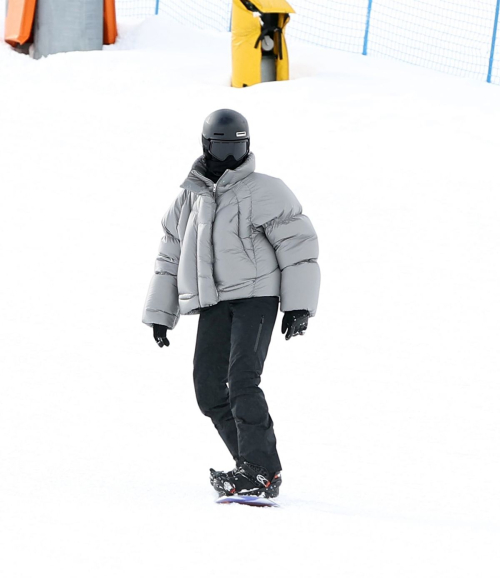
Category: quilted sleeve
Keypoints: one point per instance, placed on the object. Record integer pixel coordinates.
(295, 243)
(162, 301)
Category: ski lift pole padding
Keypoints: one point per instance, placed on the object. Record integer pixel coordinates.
(274, 6)
(110, 28)
(282, 64)
(19, 21)
(68, 26)
(247, 35)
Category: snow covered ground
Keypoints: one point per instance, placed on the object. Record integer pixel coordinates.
(387, 412)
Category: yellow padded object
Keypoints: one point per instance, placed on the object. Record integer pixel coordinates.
(273, 6)
(246, 29)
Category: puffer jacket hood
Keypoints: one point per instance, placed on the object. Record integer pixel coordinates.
(244, 236)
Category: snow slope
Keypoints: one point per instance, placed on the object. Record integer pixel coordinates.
(386, 412)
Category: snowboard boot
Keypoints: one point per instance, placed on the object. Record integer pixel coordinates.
(247, 480)
(215, 476)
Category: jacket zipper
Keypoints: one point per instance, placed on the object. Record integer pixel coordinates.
(258, 334)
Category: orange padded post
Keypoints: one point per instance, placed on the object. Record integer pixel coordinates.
(19, 21)
(110, 29)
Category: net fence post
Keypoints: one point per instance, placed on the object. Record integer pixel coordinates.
(157, 8)
(367, 27)
(493, 42)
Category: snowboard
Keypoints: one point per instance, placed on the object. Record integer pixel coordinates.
(248, 501)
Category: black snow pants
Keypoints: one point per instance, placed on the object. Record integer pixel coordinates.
(231, 347)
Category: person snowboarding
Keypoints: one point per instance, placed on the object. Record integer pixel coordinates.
(236, 246)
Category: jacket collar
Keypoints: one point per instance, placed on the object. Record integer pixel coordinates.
(197, 182)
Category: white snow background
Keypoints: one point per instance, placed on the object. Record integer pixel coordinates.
(386, 412)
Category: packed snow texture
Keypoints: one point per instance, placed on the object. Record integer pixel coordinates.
(386, 412)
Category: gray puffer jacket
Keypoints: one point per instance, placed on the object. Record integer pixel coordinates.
(244, 237)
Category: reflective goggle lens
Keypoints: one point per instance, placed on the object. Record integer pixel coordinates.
(221, 149)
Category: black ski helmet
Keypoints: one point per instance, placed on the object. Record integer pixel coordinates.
(225, 132)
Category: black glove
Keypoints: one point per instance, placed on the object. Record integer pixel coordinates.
(294, 323)
(160, 334)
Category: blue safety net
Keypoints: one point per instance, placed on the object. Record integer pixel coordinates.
(206, 14)
(452, 36)
(135, 8)
(332, 24)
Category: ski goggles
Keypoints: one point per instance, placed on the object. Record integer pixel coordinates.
(221, 149)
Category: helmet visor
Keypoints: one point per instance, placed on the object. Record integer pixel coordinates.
(221, 149)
